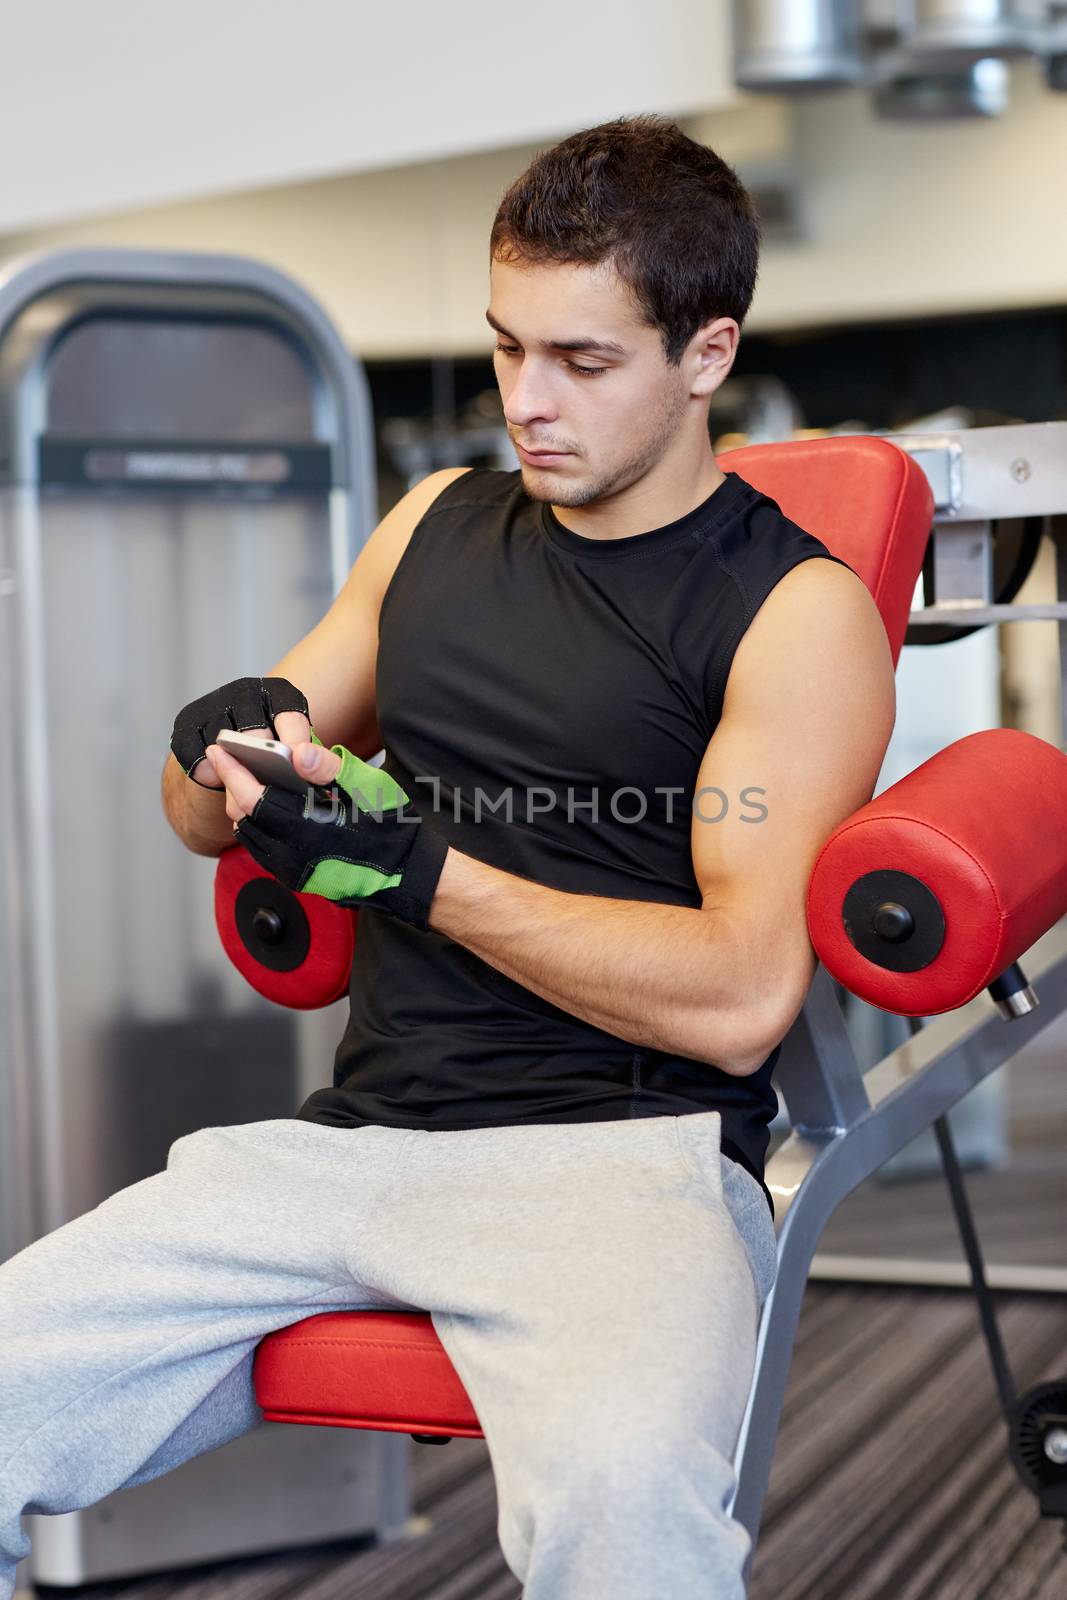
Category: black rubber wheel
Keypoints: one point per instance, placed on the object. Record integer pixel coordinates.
(1034, 1413)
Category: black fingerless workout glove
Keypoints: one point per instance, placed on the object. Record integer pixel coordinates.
(244, 703)
(367, 848)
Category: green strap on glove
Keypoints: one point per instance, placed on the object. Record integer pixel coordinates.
(368, 847)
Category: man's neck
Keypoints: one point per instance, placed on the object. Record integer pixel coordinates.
(653, 502)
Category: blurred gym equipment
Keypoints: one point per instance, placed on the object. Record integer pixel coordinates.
(186, 475)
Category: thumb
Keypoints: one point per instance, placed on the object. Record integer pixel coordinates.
(316, 763)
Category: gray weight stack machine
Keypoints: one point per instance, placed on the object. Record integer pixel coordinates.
(186, 475)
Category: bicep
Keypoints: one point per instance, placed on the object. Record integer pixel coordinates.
(808, 713)
(335, 664)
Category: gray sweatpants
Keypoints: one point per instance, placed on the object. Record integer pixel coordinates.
(597, 1286)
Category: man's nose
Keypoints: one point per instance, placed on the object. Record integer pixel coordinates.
(529, 399)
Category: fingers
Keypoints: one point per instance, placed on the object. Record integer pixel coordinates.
(208, 774)
(315, 763)
(205, 775)
(293, 728)
(243, 791)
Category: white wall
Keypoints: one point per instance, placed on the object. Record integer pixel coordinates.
(900, 220)
(398, 257)
(907, 218)
(119, 103)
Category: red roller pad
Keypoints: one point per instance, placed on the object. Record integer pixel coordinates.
(867, 500)
(385, 1370)
(322, 976)
(984, 825)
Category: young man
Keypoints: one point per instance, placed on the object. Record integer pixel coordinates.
(623, 702)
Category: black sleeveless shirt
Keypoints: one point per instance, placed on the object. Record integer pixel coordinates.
(545, 699)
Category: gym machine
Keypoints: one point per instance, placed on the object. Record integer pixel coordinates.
(186, 476)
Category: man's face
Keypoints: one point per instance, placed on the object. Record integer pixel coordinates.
(584, 379)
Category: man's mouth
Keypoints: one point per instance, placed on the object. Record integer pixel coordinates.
(541, 457)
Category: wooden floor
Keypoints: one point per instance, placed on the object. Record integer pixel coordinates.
(891, 1477)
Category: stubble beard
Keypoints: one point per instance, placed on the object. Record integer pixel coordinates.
(610, 480)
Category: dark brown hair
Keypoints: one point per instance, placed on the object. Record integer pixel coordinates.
(676, 222)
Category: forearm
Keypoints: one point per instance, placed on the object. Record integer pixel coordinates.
(196, 814)
(668, 977)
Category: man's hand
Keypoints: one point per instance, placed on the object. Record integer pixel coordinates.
(243, 792)
(368, 847)
(267, 708)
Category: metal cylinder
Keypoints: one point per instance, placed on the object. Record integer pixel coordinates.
(1055, 63)
(789, 46)
(966, 31)
(920, 93)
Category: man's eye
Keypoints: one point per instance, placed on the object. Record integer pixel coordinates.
(572, 366)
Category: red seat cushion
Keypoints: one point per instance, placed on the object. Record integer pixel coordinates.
(386, 1370)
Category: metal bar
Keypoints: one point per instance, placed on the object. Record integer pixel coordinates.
(818, 1073)
(973, 1251)
(980, 474)
(812, 1172)
(37, 1078)
(936, 616)
(235, 284)
(1057, 530)
(912, 1272)
(963, 565)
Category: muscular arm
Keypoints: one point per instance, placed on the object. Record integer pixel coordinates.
(808, 713)
(666, 977)
(333, 665)
(197, 815)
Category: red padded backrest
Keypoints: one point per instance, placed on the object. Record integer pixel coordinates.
(865, 498)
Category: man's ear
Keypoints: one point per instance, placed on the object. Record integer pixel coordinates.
(710, 355)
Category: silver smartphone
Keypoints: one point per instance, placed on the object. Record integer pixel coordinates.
(269, 760)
